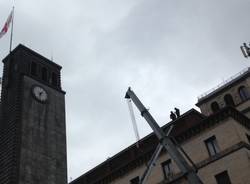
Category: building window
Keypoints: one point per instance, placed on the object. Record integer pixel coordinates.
(33, 69)
(135, 180)
(54, 79)
(212, 145)
(167, 168)
(215, 107)
(44, 74)
(229, 100)
(244, 95)
(222, 178)
(248, 137)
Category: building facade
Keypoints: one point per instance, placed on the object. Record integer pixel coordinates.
(32, 124)
(217, 140)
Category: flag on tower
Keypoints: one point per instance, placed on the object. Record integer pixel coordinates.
(7, 24)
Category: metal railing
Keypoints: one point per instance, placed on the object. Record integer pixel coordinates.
(224, 83)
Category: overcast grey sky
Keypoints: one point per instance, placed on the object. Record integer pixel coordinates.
(168, 51)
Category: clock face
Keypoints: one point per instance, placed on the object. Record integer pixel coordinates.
(40, 94)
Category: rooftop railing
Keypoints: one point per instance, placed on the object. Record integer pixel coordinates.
(224, 83)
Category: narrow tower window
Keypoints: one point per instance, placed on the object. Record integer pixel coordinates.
(33, 69)
(215, 107)
(44, 74)
(229, 100)
(244, 94)
(54, 79)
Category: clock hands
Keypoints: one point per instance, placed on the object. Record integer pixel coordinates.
(40, 93)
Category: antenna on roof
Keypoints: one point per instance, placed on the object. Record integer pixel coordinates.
(245, 49)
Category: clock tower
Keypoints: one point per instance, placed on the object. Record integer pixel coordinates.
(32, 124)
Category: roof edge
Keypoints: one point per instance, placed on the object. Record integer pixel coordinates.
(23, 47)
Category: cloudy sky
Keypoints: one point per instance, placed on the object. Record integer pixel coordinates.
(168, 51)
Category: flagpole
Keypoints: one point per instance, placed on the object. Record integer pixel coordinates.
(11, 34)
(10, 54)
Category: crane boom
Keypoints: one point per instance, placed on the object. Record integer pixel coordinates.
(165, 141)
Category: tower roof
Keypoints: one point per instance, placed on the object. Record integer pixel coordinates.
(27, 50)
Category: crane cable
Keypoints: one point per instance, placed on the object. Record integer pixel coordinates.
(132, 115)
